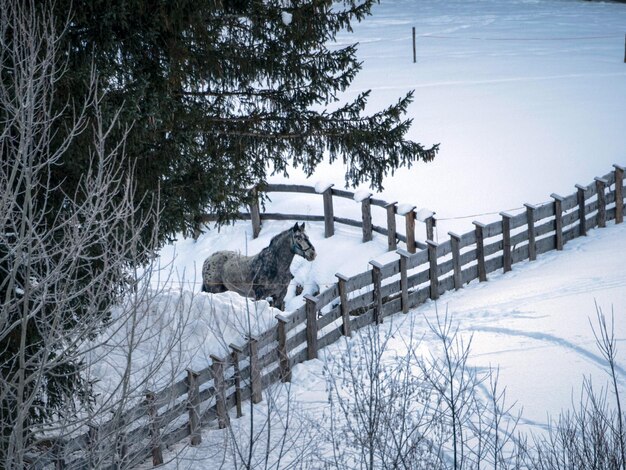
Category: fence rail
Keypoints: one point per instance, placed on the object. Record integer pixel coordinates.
(207, 397)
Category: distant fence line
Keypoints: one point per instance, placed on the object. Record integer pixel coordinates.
(365, 223)
(206, 398)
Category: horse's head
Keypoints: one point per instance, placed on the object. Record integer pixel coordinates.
(300, 243)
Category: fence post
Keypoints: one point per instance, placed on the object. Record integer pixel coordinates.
(329, 216)
(366, 214)
(121, 448)
(580, 196)
(193, 407)
(619, 192)
(285, 370)
(455, 241)
(530, 220)
(155, 435)
(415, 48)
(506, 242)
(345, 306)
(558, 220)
(311, 326)
(601, 185)
(255, 371)
(409, 218)
(404, 294)
(377, 279)
(480, 251)
(432, 259)
(223, 419)
(236, 351)
(430, 227)
(391, 226)
(255, 213)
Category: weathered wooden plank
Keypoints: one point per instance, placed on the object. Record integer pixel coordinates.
(570, 234)
(329, 227)
(358, 281)
(569, 202)
(444, 249)
(467, 239)
(409, 219)
(468, 257)
(455, 241)
(518, 238)
(404, 294)
(619, 193)
(391, 226)
(255, 371)
(295, 318)
(390, 269)
(469, 274)
(235, 357)
(493, 264)
(417, 279)
(193, 406)
(363, 320)
(430, 228)
(545, 228)
(299, 217)
(492, 229)
(366, 217)
(546, 244)
(518, 220)
(329, 317)
(601, 185)
(506, 241)
(295, 341)
(445, 268)
(311, 326)
(267, 337)
(558, 221)
(543, 211)
(432, 272)
(570, 218)
(417, 259)
(519, 254)
(392, 307)
(289, 188)
(582, 226)
(345, 304)
(378, 298)
(329, 337)
(390, 288)
(362, 300)
(327, 296)
(418, 297)
(493, 247)
(530, 220)
(446, 284)
(480, 251)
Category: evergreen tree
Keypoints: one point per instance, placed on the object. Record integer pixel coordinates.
(219, 94)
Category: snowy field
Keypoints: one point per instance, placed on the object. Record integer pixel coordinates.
(526, 98)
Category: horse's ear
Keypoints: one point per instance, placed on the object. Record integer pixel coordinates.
(296, 227)
(301, 227)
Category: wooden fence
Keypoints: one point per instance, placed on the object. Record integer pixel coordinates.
(328, 194)
(214, 395)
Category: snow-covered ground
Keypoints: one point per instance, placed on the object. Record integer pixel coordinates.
(526, 98)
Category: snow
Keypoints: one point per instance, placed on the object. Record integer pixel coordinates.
(423, 214)
(404, 208)
(362, 194)
(286, 18)
(526, 98)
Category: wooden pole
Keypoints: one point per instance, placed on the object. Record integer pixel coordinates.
(558, 220)
(432, 259)
(404, 295)
(410, 230)
(625, 49)
(345, 305)
(415, 48)
(530, 220)
(283, 357)
(193, 407)
(236, 352)
(619, 193)
(506, 242)
(311, 326)
(391, 226)
(601, 185)
(582, 222)
(366, 215)
(223, 419)
(329, 216)
(255, 213)
(455, 241)
(155, 435)
(255, 371)
(430, 228)
(480, 251)
(377, 280)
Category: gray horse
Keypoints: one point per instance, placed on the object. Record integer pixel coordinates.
(264, 275)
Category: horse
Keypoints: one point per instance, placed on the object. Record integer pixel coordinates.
(265, 275)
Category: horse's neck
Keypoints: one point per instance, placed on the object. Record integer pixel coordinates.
(278, 256)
